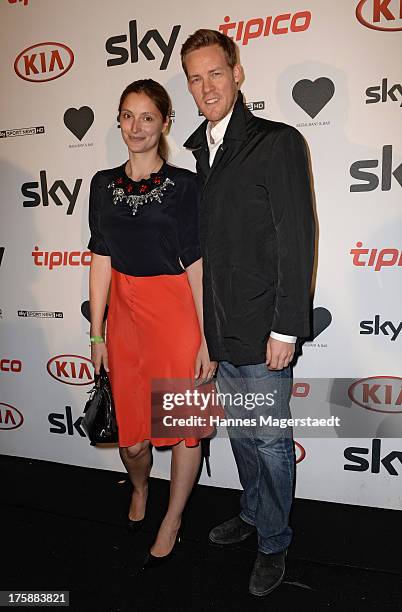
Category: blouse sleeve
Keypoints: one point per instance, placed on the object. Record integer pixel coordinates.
(97, 243)
(188, 221)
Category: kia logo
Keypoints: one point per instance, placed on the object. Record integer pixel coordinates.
(71, 369)
(381, 15)
(378, 393)
(301, 389)
(10, 417)
(44, 62)
(299, 452)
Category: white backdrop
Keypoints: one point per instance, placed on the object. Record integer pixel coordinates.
(330, 69)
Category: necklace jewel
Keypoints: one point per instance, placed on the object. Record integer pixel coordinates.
(150, 190)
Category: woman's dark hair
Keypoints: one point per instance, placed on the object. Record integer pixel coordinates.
(159, 97)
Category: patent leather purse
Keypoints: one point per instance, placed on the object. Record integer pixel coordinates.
(99, 421)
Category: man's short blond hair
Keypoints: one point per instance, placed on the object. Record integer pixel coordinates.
(207, 38)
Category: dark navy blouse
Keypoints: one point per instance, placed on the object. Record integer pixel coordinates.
(147, 227)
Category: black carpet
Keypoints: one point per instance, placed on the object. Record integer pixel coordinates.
(63, 528)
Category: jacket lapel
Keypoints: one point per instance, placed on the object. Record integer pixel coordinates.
(235, 135)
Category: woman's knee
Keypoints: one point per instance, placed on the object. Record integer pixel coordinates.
(137, 450)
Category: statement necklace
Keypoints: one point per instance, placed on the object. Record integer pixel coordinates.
(138, 193)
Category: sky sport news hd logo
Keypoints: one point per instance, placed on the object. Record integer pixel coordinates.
(28, 131)
(252, 106)
(40, 314)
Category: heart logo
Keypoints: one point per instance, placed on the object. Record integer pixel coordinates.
(312, 96)
(322, 318)
(78, 121)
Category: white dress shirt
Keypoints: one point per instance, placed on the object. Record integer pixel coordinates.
(215, 138)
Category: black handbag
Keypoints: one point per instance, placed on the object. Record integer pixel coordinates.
(99, 421)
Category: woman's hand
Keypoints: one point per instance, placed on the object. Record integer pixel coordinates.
(99, 356)
(204, 367)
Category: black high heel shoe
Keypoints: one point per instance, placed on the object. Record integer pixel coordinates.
(151, 562)
(134, 526)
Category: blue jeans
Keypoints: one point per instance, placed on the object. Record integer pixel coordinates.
(266, 463)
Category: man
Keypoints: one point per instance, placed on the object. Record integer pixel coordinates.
(257, 241)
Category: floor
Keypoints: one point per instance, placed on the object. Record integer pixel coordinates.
(63, 528)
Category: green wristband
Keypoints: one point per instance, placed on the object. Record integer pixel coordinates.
(96, 339)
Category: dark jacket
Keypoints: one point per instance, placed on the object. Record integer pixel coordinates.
(256, 234)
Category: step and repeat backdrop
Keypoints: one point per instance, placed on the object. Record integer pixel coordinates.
(332, 70)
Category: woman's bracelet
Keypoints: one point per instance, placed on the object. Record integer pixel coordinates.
(96, 339)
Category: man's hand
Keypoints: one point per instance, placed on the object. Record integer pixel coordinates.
(279, 354)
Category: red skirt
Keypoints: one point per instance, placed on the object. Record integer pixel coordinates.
(152, 333)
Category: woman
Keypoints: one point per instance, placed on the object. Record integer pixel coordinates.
(143, 221)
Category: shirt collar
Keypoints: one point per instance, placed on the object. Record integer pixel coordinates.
(218, 131)
(237, 129)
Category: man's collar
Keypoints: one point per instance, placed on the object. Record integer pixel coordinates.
(217, 132)
(236, 129)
